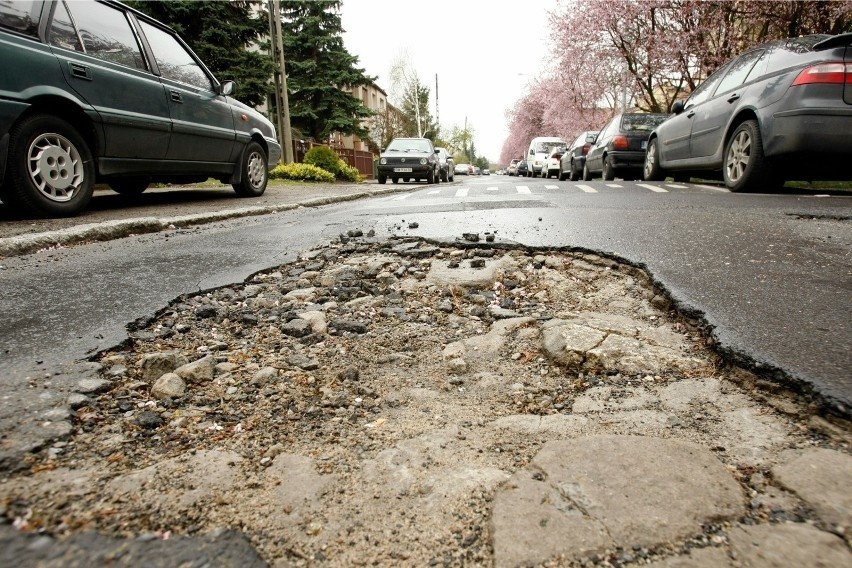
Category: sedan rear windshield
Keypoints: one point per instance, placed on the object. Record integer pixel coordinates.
(641, 122)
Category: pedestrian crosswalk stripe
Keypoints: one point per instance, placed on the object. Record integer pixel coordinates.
(613, 185)
(587, 188)
(401, 197)
(491, 189)
(676, 186)
(523, 189)
(462, 192)
(551, 187)
(435, 192)
(653, 187)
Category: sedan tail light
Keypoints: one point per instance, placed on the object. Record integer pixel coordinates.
(825, 73)
(586, 147)
(619, 142)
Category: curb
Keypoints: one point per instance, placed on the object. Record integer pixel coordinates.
(107, 230)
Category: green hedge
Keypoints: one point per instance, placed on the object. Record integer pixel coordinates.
(301, 172)
(327, 159)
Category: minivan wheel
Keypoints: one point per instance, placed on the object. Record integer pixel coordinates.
(254, 170)
(51, 171)
(744, 168)
(651, 170)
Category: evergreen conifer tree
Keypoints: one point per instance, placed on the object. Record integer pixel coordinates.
(320, 71)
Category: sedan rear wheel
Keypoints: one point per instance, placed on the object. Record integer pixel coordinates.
(608, 170)
(254, 172)
(587, 175)
(575, 173)
(744, 168)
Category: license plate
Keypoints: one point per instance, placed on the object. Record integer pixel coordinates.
(644, 144)
(402, 170)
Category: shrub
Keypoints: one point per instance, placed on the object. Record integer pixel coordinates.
(323, 157)
(327, 159)
(302, 172)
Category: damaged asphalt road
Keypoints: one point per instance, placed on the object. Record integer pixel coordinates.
(402, 402)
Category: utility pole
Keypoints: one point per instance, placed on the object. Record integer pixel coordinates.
(437, 114)
(284, 108)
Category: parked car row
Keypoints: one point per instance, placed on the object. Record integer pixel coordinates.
(780, 111)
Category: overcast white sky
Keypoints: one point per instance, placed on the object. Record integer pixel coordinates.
(476, 47)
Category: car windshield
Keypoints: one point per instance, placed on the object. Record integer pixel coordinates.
(409, 146)
(641, 122)
(548, 146)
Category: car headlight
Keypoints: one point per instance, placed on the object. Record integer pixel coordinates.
(423, 161)
(383, 161)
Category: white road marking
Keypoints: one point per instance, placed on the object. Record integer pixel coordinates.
(462, 192)
(613, 185)
(436, 192)
(676, 186)
(491, 189)
(551, 187)
(714, 188)
(401, 197)
(653, 187)
(587, 188)
(523, 189)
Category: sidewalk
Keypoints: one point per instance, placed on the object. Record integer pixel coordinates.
(111, 216)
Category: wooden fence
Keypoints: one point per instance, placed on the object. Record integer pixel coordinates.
(359, 159)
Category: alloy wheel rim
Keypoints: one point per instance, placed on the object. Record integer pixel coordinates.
(256, 172)
(649, 159)
(738, 156)
(55, 167)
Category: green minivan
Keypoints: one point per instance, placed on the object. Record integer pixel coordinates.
(97, 92)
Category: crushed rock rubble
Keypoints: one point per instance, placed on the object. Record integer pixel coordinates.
(408, 403)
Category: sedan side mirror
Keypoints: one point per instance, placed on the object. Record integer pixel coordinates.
(677, 108)
(227, 88)
(591, 138)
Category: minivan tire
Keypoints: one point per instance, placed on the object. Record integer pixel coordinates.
(45, 143)
(255, 172)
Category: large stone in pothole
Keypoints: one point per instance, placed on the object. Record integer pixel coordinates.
(199, 371)
(791, 544)
(488, 345)
(155, 365)
(581, 496)
(567, 343)
(823, 479)
(441, 275)
(632, 356)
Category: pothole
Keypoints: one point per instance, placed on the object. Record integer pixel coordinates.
(366, 403)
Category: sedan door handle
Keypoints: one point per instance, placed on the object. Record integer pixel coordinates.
(733, 97)
(80, 71)
(176, 96)
(690, 114)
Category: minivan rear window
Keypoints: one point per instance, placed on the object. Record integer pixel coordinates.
(21, 15)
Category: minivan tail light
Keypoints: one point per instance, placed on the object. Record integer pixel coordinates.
(825, 73)
(619, 142)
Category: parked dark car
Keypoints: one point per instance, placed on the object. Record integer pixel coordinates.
(409, 158)
(523, 169)
(97, 92)
(619, 150)
(446, 164)
(574, 158)
(779, 111)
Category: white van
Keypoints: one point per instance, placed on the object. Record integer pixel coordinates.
(539, 150)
